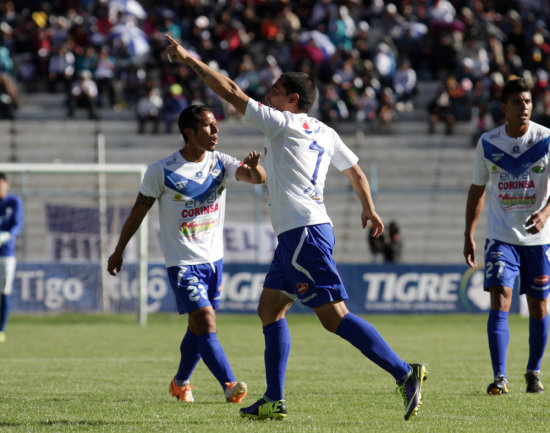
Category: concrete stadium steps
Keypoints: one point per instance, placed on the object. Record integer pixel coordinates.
(422, 179)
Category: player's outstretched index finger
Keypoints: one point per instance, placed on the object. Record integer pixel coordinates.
(171, 39)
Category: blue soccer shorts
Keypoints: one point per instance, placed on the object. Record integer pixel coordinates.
(196, 286)
(504, 263)
(303, 266)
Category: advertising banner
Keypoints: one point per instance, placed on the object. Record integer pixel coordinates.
(403, 289)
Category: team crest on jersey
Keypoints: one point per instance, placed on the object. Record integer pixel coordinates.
(302, 288)
(515, 149)
(181, 184)
(216, 173)
(494, 169)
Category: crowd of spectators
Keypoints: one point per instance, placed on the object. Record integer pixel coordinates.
(367, 56)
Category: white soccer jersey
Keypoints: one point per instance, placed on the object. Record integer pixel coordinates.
(517, 170)
(191, 198)
(298, 151)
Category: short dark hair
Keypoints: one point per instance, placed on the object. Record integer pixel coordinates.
(3, 176)
(190, 118)
(516, 85)
(302, 84)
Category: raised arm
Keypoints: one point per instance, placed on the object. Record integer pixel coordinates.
(131, 225)
(224, 86)
(251, 171)
(361, 187)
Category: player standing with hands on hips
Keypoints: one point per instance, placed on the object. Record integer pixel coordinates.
(298, 151)
(11, 223)
(190, 188)
(515, 159)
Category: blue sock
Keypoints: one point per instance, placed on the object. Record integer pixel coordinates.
(498, 332)
(212, 354)
(367, 339)
(190, 357)
(5, 306)
(538, 335)
(277, 350)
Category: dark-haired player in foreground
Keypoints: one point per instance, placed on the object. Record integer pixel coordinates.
(190, 188)
(298, 151)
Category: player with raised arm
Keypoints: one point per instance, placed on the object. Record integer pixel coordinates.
(515, 159)
(190, 188)
(298, 151)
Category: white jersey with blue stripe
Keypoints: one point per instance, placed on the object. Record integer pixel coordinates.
(191, 198)
(517, 171)
(298, 151)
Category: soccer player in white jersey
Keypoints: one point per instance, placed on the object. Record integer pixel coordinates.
(190, 188)
(514, 160)
(298, 151)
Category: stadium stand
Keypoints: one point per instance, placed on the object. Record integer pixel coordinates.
(354, 49)
(420, 180)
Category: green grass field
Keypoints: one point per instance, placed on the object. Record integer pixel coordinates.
(80, 373)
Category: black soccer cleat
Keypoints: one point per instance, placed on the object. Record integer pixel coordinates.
(534, 384)
(499, 386)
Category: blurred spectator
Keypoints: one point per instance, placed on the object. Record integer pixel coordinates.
(404, 84)
(377, 246)
(9, 97)
(104, 74)
(441, 110)
(385, 64)
(394, 246)
(386, 111)
(83, 94)
(6, 63)
(86, 60)
(388, 247)
(174, 103)
(149, 110)
(61, 68)
(367, 108)
(133, 79)
(27, 73)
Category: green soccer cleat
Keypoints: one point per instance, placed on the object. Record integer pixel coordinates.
(534, 384)
(411, 390)
(264, 409)
(499, 386)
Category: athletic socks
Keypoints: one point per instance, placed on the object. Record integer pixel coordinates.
(368, 340)
(277, 350)
(498, 332)
(211, 352)
(190, 356)
(4, 311)
(538, 336)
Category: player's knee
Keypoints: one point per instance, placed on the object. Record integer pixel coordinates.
(202, 321)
